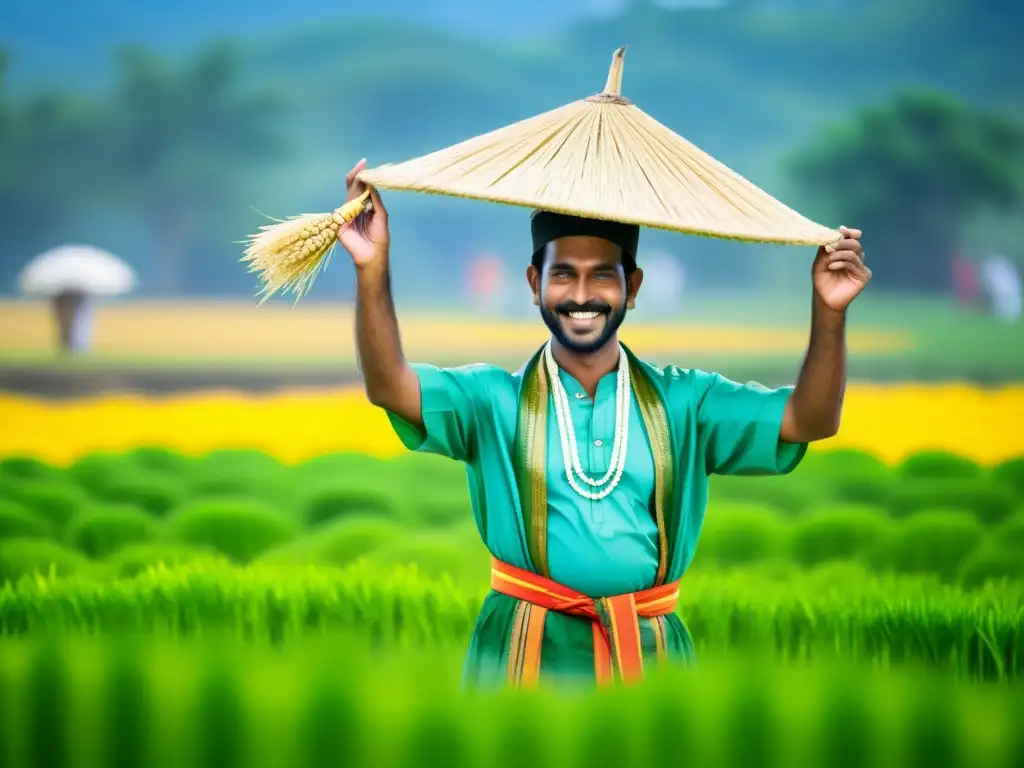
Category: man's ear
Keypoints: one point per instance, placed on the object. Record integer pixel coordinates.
(533, 280)
(633, 287)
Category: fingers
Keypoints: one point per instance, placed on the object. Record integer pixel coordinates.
(846, 260)
(353, 186)
(378, 205)
(849, 248)
(845, 245)
(846, 255)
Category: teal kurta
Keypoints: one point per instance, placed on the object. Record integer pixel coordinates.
(600, 548)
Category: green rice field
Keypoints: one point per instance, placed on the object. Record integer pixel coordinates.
(263, 666)
(221, 610)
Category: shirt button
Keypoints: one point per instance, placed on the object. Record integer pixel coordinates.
(580, 395)
(598, 443)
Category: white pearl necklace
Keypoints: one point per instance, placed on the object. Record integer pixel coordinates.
(567, 433)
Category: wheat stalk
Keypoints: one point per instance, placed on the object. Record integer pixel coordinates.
(290, 254)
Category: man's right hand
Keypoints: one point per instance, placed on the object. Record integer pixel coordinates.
(366, 238)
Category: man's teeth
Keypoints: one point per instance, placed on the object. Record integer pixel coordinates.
(583, 315)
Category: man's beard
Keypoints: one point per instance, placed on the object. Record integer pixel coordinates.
(553, 319)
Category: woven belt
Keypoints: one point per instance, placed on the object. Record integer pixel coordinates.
(615, 623)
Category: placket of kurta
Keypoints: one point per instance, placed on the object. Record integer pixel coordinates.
(597, 417)
(594, 424)
(608, 546)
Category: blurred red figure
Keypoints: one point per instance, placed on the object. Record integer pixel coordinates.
(965, 280)
(484, 280)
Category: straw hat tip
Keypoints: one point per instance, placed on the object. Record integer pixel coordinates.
(613, 86)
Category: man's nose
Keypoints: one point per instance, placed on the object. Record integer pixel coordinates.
(581, 292)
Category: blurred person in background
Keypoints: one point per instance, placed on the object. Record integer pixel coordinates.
(588, 468)
(1001, 281)
(965, 281)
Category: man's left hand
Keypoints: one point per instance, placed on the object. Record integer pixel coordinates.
(839, 273)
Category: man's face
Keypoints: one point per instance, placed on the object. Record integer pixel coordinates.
(582, 291)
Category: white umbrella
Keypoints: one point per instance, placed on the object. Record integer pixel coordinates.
(76, 269)
(70, 275)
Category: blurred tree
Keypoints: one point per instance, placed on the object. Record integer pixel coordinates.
(909, 174)
(47, 169)
(182, 144)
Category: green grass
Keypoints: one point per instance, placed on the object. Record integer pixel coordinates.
(336, 701)
(230, 651)
(837, 611)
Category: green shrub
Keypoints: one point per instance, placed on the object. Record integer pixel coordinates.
(160, 460)
(791, 493)
(150, 492)
(240, 473)
(1011, 474)
(439, 507)
(54, 502)
(17, 521)
(939, 465)
(1010, 532)
(238, 461)
(343, 467)
(846, 476)
(338, 543)
(102, 530)
(736, 533)
(25, 557)
(340, 499)
(97, 471)
(994, 560)
(870, 486)
(934, 541)
(134, 559)
(211, 486)
(21, 468)
(840, 532)
(841, 461)
(986, 499)
(425, 470)
(239, 528)
(249, 457)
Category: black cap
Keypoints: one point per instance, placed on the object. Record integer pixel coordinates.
(546, 226)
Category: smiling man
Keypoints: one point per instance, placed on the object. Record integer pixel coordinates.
(588, 468)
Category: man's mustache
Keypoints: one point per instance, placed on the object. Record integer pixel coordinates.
(592, 306)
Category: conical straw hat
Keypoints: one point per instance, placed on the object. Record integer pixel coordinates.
(601, 157)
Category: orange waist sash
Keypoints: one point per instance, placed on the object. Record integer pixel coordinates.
(615, 622)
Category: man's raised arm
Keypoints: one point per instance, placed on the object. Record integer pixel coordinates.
(814, 409)
(389, 381)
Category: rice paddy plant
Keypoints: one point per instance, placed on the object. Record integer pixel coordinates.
(336, 701)
(792, 615)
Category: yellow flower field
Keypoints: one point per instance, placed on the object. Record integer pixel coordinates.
(889, 421)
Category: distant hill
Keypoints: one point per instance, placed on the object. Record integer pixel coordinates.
(70, 39)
